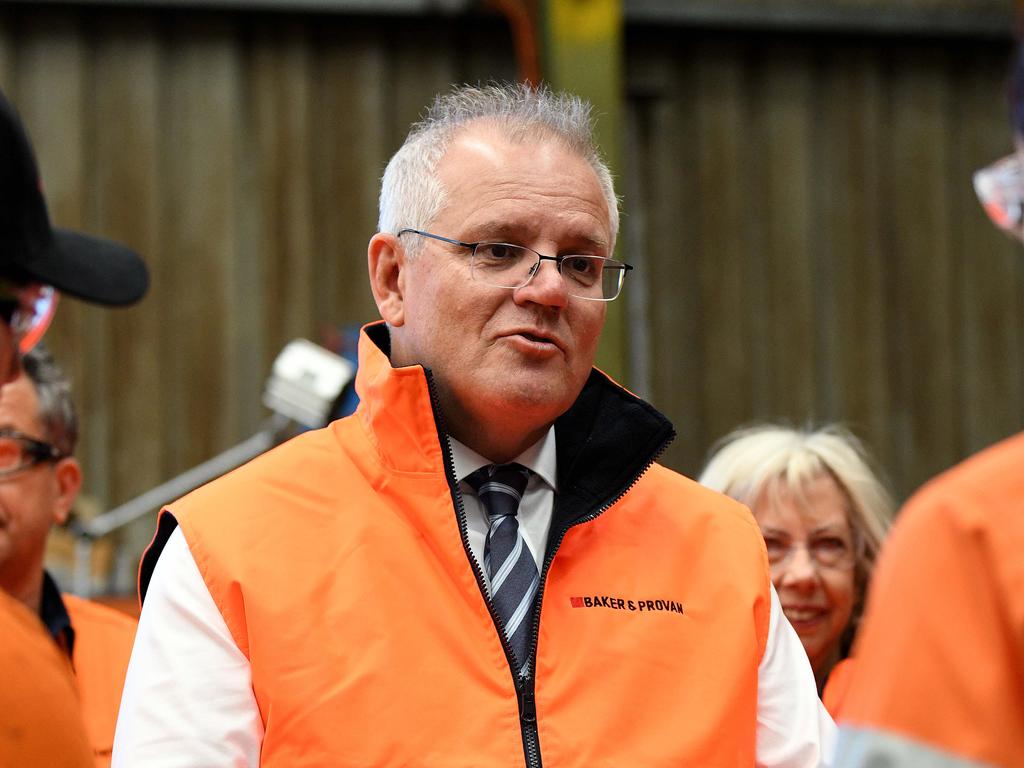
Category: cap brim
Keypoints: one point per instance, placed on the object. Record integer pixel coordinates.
(91, 268)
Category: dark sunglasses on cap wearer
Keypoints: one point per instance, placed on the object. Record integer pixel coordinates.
(19, 452)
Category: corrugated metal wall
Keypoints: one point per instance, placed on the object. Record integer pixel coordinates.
(800, 206)
(814, 246)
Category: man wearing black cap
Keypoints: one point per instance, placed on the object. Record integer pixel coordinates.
(40, 724)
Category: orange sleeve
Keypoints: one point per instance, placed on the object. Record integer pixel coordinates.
(939, 657)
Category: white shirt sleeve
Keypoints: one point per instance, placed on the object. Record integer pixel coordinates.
(184, 654)
(793, 728)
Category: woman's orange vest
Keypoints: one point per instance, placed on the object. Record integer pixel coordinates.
(339, 565)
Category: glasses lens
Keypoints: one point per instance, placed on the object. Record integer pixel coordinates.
(12, 457)
(512, 266)
(825, 553)
(503, 265)
(1000, 188)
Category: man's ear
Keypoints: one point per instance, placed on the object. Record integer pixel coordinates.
(69, 481)
(386, 262)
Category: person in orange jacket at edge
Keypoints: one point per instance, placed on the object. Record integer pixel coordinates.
(39, 481)
(41, 722)
(485, 565)
(939, 679)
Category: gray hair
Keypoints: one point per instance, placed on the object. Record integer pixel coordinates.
(56, 408)
(412, 196)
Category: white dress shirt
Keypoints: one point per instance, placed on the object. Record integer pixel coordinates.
(188, 698)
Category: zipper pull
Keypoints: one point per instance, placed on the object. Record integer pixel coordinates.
(527, 707)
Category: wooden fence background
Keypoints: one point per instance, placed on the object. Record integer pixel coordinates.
(799, 205)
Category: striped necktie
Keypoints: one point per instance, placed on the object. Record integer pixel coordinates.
(511, 569)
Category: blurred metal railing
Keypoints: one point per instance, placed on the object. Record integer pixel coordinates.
(304, 385)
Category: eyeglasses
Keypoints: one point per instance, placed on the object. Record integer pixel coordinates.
(19, 452)
(1000, 188)
(504, 265)
(27, 310)
(831, 552)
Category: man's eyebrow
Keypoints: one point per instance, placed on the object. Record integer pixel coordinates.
(501, 230)
(596, 243)
(494, 230)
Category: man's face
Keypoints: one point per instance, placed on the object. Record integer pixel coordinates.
(504, 359)
(32, 500)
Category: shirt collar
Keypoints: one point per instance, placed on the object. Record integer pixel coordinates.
(55, 615)
(539, 457)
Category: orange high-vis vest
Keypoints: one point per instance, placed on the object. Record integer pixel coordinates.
(340, 564)
(103, 645)
(40, 721)
(939, 678)
(837, 686)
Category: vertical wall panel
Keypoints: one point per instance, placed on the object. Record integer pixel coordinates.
(848, 211)
(125, 188)
(352, 144)
(198, 152)
(668, 180)
(783, 321)
(920, 281)
(723, 269)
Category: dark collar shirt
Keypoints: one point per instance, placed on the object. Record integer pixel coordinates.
(55, 616)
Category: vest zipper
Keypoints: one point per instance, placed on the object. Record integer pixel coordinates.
(523, 684)
(530, 736)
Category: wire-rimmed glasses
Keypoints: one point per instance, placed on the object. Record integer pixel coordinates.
(505, 265)
(828, 552)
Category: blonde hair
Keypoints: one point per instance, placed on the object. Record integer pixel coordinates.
(771, 458)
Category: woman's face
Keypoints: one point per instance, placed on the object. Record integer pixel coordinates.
(811, 553)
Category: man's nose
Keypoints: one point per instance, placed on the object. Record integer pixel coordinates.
(546, 286)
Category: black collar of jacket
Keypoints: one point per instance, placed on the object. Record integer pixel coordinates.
(606, 440)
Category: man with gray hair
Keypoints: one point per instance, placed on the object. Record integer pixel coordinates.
(484, 565)
(39, 481)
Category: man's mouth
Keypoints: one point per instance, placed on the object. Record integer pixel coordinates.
(536, 338)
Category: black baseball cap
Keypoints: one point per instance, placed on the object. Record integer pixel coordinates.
(32, 250)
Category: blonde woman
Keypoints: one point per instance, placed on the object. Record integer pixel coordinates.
(823, 513)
